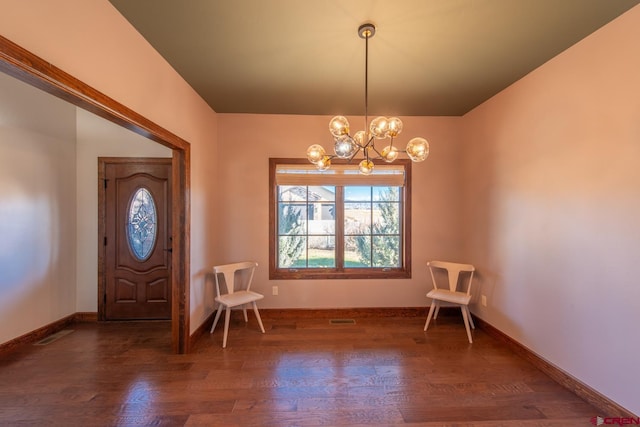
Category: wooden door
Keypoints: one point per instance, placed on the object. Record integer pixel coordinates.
(137, 240)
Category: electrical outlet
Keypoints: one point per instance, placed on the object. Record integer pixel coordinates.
(483, 300)
(274, 290)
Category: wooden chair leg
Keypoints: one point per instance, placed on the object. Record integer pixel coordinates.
(435, 314)
(244, 311)
(431, 309)
(466, 322)
(255, 310)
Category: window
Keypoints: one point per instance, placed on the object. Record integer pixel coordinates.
(338, 223)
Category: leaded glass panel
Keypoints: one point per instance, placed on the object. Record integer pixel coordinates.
(141, 224)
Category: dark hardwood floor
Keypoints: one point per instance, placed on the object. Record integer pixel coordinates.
(302, 372)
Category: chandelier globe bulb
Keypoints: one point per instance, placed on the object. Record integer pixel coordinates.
(379, 127)
(315, 153)
(345, 147)
(366, 167)
(389, 153)
(338, 126)
(394, 126)
(418, 149)
(360, 138)
(324, 163)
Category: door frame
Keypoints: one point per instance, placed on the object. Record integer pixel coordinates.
(31, 69)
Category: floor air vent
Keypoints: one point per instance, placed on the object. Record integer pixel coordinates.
(342, 321)
(54, 337)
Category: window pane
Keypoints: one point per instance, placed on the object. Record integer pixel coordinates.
(309, 213)
(322, 218)
(322, 252)
(356, 194)
(292, 251)
(326, 194)
(328, 211)
(357, 251)
(291, 193)
(292, 218)
(386, 218)
(357, 218)
(386, 251)
(386, 194)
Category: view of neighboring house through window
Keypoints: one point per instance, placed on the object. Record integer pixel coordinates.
(337, 223)
(306, 226)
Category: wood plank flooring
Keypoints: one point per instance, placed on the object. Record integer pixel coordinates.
(302, 372)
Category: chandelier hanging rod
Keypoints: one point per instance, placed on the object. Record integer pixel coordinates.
(366, 31)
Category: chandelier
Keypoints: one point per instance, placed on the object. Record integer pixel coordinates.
(347, 146)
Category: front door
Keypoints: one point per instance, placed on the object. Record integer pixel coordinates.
(137, 239)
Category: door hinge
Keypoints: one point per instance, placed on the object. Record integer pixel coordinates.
(105, 240)
(105, 182)
(105, 298)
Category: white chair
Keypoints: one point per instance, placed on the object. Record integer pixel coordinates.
(236, 293)
(451, 294)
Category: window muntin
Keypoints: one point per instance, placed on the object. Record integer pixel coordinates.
(338, 230)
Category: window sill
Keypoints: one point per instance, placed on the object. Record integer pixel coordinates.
(347, 273)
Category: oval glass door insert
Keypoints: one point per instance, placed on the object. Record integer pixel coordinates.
(141, 224)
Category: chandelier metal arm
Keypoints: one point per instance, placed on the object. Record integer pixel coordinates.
(356, 152)
(377, 152)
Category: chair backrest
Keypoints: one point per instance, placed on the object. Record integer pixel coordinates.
(229, 273)
(453, 271)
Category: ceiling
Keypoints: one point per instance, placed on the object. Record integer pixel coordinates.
(427, 58)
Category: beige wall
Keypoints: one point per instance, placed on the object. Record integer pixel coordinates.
(552, 202)
(246, 143)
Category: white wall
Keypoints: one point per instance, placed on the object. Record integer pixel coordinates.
(248, 141)
(97, 137)
(553, 200)
(37, 209)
